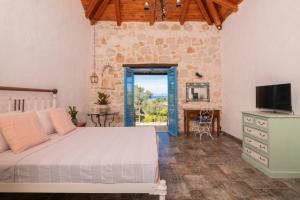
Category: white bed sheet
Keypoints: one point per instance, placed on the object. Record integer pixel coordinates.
(87, 155)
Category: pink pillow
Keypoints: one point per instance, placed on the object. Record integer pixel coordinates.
(61, 121)
(22, 131)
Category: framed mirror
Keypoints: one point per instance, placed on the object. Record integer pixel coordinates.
(197, 92)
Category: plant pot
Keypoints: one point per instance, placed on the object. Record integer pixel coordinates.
(74, 121)
(102, 108)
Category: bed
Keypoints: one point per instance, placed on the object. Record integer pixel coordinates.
(87, 160)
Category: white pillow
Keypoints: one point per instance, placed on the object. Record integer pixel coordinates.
(3, 144)
(45, 121)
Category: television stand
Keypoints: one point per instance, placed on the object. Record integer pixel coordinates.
(271, 143)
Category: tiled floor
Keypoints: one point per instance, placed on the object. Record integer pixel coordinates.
(197, 169)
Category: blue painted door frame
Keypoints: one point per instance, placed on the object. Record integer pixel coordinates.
(172, 95)
(172, 102)
(128, 97)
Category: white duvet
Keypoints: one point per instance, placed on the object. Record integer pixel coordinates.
(87, 155)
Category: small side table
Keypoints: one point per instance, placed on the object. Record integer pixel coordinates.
(81, 124)
(105, 120)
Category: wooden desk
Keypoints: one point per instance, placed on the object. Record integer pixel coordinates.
(194, 114)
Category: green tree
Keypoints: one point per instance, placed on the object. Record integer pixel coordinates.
(156, 110)
(141, 98)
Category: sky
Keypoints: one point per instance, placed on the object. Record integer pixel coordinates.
(157, 84)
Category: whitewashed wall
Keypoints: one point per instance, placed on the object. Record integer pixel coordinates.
(45, 44)
(260, 45)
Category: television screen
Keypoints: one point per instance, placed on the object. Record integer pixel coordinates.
(275, 97)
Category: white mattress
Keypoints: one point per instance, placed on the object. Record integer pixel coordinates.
(87, 155)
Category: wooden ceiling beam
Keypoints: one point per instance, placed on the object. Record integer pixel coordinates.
(92, 8)
(227, 4)
(118, 12)
(101, 9)
(153, 14)
(184, 11)
(214, 14)
(204, 12)
(190, 10)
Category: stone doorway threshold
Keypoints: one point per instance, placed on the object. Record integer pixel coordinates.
(159, 126)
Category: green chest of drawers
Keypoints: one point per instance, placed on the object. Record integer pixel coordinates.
(271, 143)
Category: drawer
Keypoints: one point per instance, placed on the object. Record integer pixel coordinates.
(256, 144)
(256, 133)
(249, 120)
(262, 123)
(263, 160)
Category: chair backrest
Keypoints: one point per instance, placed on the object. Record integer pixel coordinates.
(206, 116)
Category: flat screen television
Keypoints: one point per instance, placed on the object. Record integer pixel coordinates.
(274, 97)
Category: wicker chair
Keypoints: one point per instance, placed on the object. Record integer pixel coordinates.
(205, 123)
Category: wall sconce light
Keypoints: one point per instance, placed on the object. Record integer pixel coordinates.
(199, 75)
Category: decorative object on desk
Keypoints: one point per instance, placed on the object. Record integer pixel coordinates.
(197, 92)
(73, 113)
(102, 102)
(94, 77)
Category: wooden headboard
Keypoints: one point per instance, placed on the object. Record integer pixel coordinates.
(26, 99)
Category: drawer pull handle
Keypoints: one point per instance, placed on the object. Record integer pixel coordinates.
(262, 159)
(249, 130)
(248, 119)
(261, 123)
(248, 151)
(262, 135)
(262, 147)
(249, 141)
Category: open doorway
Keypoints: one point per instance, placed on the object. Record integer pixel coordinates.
(151, 100)
(167, 72)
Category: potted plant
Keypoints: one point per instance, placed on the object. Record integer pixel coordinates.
(73, 113)
(102, 102)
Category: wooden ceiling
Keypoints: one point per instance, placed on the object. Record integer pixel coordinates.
(210, 11)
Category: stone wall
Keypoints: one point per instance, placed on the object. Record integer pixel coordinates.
(194, 46)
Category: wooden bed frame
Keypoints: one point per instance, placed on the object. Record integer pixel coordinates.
(26, 99)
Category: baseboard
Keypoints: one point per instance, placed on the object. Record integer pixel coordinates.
(232, 137)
